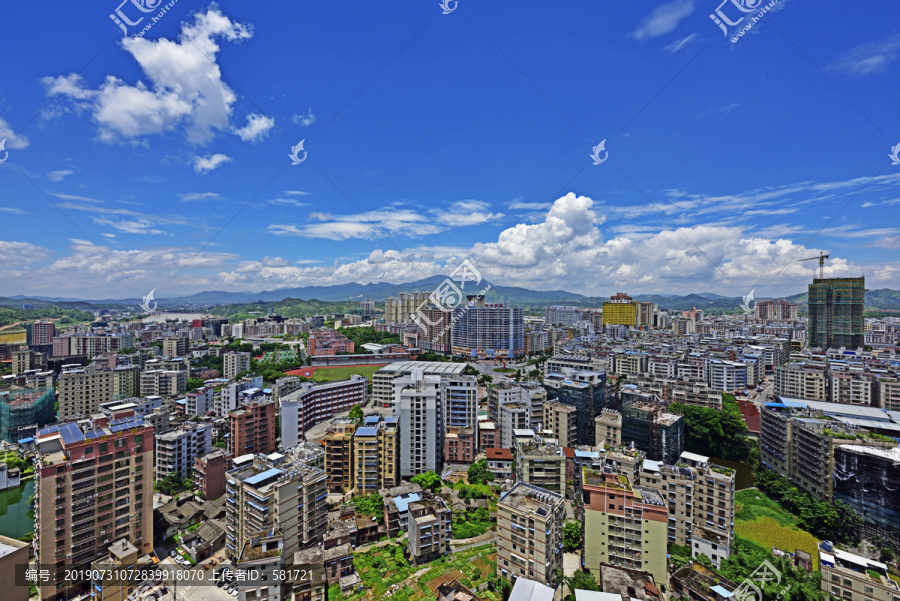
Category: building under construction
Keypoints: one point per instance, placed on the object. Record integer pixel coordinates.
(22, 408)
(652, 429)
(867, 479)
(836, 307)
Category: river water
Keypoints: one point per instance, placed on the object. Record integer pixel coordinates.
(744, 476)
(14, 520)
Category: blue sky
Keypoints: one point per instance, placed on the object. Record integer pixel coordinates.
(163, 161)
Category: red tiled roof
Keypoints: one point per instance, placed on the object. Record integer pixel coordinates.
(499, 454)
(569, 452)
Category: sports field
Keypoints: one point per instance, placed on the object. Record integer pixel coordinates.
(331, 374)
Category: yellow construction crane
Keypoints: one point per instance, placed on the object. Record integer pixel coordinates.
(821, 258)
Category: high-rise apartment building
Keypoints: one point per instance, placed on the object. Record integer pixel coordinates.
(398, 309)
(93, 485)
(40, 333)
(529, 533)
(624, 525)
(608, 429)
(836, 308)
(584, 390)
(562, 316)
(620, 309)
(700, 497)
(376, 455)
(488, 331)
(798, 440)
(382, 380)
(338, 446)
(82, 389)
(235, 363)
(801, 381)
(176, 450)
(434, 329)
(562, 419)
(314, 403)
(540, 462)
(419, 408)
(175, 346)
(252, 429)
(652, 429)
(277, 500)
(163, 382)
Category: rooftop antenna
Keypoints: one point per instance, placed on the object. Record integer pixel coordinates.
(821, 258)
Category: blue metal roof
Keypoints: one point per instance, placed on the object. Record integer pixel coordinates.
(366, 431)
(269, 473)
(403, 501)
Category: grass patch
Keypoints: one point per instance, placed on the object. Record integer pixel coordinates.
(503, 370)
(331, 374)
(475, 565)
(762, 521)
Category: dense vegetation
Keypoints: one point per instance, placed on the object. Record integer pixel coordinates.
(796, 583)
(367, 335)
(372, 505)
(173, 483)
(428, 481)
(478, 473)
(572, 536)
(289, 307)
(836, 522)
(63, 316)
(715, 433)
(471, 523)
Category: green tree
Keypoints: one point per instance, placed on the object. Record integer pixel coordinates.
(356, 413)
(428, 481)
(478, 473)
(193, 384)
(572, 536)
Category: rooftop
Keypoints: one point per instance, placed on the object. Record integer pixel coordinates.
(527, 497)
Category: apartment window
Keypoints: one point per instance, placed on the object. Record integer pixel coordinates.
(104, 446)
(88, 450)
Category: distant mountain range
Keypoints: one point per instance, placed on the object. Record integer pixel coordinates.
(883, 299)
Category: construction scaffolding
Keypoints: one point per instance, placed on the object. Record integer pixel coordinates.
(836, 312)
(26, 407)
(652, 429)
(868, 479)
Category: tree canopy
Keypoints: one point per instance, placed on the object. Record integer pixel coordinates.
(428, 481)
(715, 433)
(478, 473)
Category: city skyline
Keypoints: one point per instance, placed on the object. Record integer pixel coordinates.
(163, 163)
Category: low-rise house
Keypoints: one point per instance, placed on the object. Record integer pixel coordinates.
(203, 542)
(338, 563)
(500, 463)
(428, 530)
